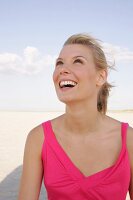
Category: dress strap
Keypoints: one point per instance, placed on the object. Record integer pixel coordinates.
(47, 136)
(47, 130)
(124, 127)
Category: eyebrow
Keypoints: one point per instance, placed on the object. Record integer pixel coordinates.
(72, 58)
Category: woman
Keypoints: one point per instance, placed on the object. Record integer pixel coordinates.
(82, 154)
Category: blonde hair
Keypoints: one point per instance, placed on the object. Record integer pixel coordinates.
(100, 61)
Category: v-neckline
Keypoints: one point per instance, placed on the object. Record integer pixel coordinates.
(71, 167)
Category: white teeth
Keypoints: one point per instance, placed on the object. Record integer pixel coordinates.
(64, 83)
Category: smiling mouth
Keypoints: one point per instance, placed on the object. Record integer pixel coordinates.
(67, 84)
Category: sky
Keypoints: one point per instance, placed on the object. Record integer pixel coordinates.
(32, 34)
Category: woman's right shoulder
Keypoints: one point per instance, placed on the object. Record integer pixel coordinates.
(35, 137)
(36, 132)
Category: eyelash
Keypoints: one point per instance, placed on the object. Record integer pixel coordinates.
(75, 61)
(59, 63)
(78, 60)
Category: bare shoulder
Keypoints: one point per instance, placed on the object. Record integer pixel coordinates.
(130, 141)
(130, 135)
(31, 179)
(36, 132)
(35, 138)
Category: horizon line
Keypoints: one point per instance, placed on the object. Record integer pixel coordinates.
(109, 110)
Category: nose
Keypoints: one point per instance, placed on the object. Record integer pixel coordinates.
(64, 70)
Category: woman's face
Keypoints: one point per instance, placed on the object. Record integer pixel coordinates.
(75, 76)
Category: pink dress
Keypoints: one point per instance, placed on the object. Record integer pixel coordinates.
(64, 181)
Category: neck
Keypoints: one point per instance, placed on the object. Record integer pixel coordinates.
(82, 119)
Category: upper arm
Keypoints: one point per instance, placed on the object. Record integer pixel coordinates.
(32, 172)
(130, 151)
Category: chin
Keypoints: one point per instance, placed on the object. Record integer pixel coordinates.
(66, 100)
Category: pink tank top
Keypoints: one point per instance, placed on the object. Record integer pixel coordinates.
(64, 181)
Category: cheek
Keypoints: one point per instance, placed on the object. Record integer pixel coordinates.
(89, 75)
(91, 78)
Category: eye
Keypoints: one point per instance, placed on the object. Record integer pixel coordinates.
(59, 63)
(78, 61)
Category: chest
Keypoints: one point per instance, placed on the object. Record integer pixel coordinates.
(92, 155)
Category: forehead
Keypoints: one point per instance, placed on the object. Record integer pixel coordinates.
(72, 50)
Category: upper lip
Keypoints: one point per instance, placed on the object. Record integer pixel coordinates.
(65, 79)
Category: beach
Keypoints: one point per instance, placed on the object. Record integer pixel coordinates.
(14, 128)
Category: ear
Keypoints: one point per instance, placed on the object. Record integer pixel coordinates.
(101, 77)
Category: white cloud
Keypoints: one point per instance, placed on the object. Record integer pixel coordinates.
(31, 54)
(118, 53)
(31, 62)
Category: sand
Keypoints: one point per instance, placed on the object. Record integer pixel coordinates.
(14, 127)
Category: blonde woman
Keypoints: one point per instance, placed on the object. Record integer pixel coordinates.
(83, 154)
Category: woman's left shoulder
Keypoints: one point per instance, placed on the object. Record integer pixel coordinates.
(130, 144)
(130, 139)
